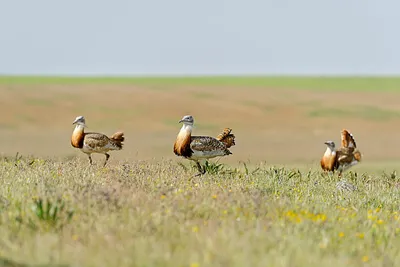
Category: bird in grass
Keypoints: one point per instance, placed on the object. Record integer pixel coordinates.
(90, 143)
(197, 148)
(343, 158)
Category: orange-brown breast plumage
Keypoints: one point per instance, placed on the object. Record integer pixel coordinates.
(182, 144)
(328, 162)
(77, 138)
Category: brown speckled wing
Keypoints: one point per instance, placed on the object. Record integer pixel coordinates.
(344, 157)
(96, 140)
(206, 143)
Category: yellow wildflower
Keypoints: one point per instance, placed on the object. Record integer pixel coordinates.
(360, 235)
(319, 218)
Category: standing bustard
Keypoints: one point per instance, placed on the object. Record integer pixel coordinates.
(90, 143)
(342, 159)
(197, 148)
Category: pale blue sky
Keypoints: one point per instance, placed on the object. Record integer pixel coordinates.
(200, 37)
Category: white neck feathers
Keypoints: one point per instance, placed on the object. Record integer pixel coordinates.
(186, 128)
(79, 128)
(329, 152)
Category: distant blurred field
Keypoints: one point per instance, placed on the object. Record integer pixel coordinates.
(277, 120)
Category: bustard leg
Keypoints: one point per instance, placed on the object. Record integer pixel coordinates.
(107, 157)
(90, 159)
(201, 169)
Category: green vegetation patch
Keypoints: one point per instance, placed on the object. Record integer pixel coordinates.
(39, 102)
(329, 83)
(359, 112)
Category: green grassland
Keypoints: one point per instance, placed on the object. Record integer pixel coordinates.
(145, 208)
(154, 213)
(360, 84)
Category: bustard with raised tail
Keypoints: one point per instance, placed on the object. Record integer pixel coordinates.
(90, 143)
(343, 158)
(197, 148)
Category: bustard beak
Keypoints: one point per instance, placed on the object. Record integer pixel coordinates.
(329, 143)
(76, 121)
(181, 121)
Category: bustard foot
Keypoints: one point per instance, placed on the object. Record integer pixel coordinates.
(107, 157)
(90, 160)
(202, 170)
(197, 175)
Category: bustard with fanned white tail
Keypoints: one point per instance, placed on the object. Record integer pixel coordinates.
(90, 143)
(197, 148)
(343, 158)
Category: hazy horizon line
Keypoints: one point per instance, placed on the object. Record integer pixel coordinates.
(197, 75)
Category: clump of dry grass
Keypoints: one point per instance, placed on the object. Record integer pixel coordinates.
(147, 213)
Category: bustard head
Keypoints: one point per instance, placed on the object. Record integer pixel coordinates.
(80, 120)
(330, 144)
(187, 120)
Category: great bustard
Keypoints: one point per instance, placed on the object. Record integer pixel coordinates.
(343, 158)
(90, 143)
(197, 148)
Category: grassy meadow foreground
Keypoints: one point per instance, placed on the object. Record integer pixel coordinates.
(151, 213)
